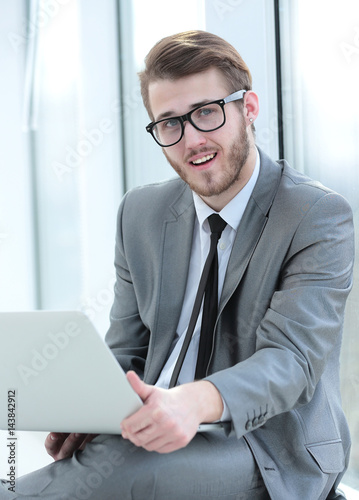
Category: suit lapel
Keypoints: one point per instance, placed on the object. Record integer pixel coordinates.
(177, 233)
(251, 226)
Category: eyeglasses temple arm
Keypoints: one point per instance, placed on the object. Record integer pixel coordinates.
(235, 96)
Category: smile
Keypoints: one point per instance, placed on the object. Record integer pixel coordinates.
(204, 159)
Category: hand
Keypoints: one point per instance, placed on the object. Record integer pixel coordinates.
(61, 445)
(169, 419)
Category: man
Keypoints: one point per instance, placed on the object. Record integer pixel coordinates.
(271, 369)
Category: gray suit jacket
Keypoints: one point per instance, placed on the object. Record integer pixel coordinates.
(275, 357)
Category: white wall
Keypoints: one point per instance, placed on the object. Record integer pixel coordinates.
(249, 26)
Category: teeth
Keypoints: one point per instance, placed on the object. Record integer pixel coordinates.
(202, 160)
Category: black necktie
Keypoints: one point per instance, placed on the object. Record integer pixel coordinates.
(208, 286)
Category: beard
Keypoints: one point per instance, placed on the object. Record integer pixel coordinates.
(210, 183)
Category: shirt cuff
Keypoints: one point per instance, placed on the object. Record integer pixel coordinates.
(226, 416)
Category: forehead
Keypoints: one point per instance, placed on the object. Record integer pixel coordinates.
(176, 97)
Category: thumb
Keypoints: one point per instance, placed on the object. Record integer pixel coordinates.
(142, 389)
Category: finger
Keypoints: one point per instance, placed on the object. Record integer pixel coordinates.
(142, 389)
(66, 448)
(71, 444)
(151, 440)
(150, 444)
(149, 418)
(166, 443)
(54, 442)
(144, 428)
(139, 422)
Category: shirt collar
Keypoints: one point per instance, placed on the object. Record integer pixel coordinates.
(233, 211)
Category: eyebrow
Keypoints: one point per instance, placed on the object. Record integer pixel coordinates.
(172, 114)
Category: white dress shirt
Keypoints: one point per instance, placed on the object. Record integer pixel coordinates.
(232, 214)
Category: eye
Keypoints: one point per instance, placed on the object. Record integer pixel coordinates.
(171, 123)
(205, 111)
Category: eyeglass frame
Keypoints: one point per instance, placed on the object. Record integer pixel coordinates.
(235, 96)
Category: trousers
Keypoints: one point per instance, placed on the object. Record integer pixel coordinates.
(212, 466)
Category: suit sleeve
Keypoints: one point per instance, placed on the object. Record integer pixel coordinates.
(127, 336)
(302, 326)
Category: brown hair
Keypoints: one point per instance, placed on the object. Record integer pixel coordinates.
(192, 52)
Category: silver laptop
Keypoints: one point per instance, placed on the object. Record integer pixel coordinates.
(57, 374)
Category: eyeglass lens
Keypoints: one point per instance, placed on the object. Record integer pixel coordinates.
(205, 118)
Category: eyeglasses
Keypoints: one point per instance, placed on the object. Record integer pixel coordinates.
(206, 118)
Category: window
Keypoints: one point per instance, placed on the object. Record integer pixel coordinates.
(320, 81)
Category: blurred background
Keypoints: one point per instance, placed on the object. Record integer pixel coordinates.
(73, 139)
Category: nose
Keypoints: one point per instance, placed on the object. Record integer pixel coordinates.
(193, 138)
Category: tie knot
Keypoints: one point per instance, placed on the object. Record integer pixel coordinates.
(217, 224)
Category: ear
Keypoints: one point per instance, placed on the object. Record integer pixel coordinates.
(251, 107)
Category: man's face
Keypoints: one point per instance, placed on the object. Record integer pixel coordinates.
(214, 164)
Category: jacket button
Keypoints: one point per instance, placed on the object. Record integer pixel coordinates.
(248, 425)
(255, 421)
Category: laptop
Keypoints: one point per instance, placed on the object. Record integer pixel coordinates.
(57, 374)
